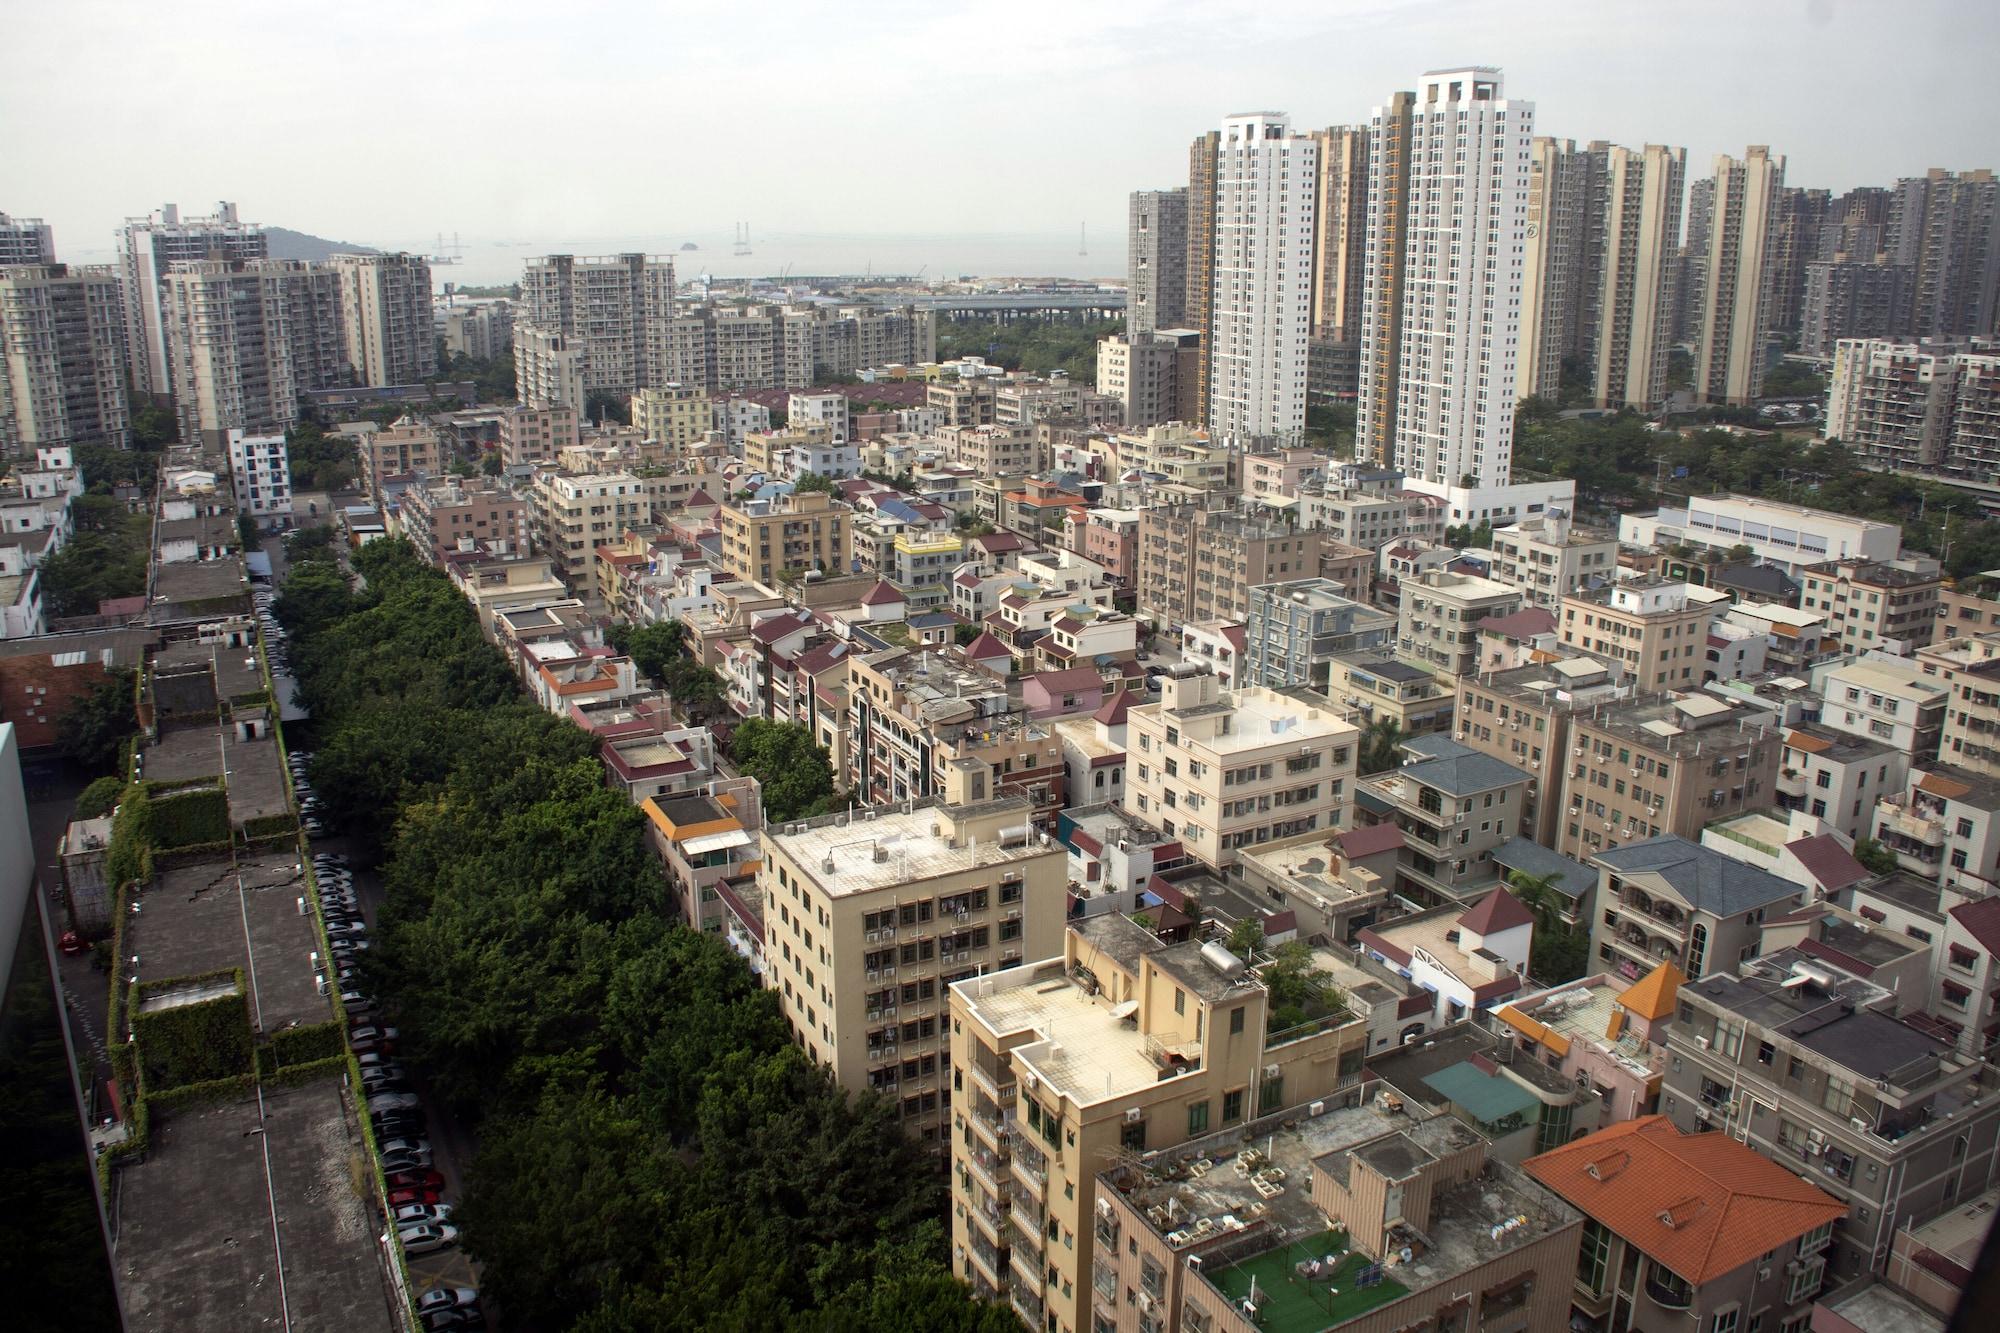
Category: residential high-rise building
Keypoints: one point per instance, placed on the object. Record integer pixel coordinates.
(385, 306)
(247, 338)
(148, 248)
(1196, 565)
(1916, 406)
(1691, 300)
(1729, 355)
(480, 329)
(1156, 261)
(1553, 262)
(1389, 149)
(1261, 311)
(62, 359)
(1857, 224)
(1461, 314)
(676, 415)
(260, 465)
(616, 309)
(1943, 226)
(1798, 217)
(549, 368)
(1138, 369)
(1200, 268)
(1846, 298)
(870, 919)
(1340, 252)
(26, 241)
(1642, 221)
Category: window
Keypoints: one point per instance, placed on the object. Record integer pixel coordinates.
(1593, 1256)
(1236, 1020)
(1232, 1107)
(1197, 1119)
(1724, 1321)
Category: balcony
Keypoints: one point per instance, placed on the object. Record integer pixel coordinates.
(987, 1260)
(1029, 1165)
(1027, 1301)
(1657, 917)
(1912, 825)
(1666, 1289)
(988, 1218)
(986, 1167)
(992, 1123)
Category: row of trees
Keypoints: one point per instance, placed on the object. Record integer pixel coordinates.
(1038, 346)
(655, 1152)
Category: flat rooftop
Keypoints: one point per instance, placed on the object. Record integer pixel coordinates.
(256, 779)
(1409, 1067)
(880, 849)
(193, 919)
(1083, 1047)
(1873, 1306)
(195, 1244)
(238, 671)
(199, 580)
(1307, 868)
(1262, 719)
(183, 754)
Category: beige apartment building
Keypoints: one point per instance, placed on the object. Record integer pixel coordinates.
(1197, 565)
(549, 368)
(1729, 351)
(1438, 618)
(1549, 560)
(674, 416)
(409, 445)
(963, 402)
(1641, 239)
(1523, 716)
(1115, 1047)
(385, 306)
(1656, 629)
(246, 340)
(444, 514)
(62, 359)
(1869, 601)
(1226, 769)
(571, 516)
(1970, 669)
(536, 434)
(765, 539)
(1664, 764)
(870, 918)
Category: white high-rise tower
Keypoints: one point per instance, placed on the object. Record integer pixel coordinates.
(1467, 204)
(1261, 307)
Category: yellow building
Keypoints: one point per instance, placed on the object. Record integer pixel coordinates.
(762, 539)
(674, 416)
(1116, 1047)
(870, 917)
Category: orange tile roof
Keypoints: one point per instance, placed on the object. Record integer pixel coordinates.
(1703, 1205)
(1937, 784)
(1652, 996)
(1798, 740)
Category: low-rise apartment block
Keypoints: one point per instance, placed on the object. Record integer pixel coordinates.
(571, 516)
(1604, 1033)
(1662, 764)
(1376, 689)
(1223, 770)
(1296, 629)
(1671, 900)
(1116, 1046)
(1199, 564)
(1689, 1229)
(1920, 406)
(536, 434)
(1968, 667)
(1523, 716)
(1887, 699)
(1944, 825)
(1837, 777)
(1802, 1066)
(260, 466)
(1655, 629)
(1454, 805)
(1549, 560)
(709, 843)
(677, 417)
(791, 534)
(445, 514)
(1437, 620)
(870, 918)
(1869, 603)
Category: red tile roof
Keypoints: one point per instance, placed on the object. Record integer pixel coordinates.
(774, 628)
(1070, 679)
(1829, 863)
(1112, 711)
(1523, 624)
(986, 646)
(1497, 911)
(1981, 920)
(1369, 840)
(1703, 1205)
(883, 594)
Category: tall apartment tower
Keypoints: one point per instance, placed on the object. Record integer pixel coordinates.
(1692, 298)
(1798, 217)
(26, 241)
(1467, 230)
(1729, 356)
(1389, 130)
(1157, 253)
(148, 248)
(246, 340)
(1642, 236)
(1553, 261)
(385, 306)
(1200, 267)
(1943, 226)
(62, 359)
(615, 310)
(1261, 307)
(1340, 249)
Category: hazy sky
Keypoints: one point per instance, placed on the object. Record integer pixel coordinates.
(383, 123)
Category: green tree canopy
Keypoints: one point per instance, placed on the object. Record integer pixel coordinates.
(92, 729)
(795, 773)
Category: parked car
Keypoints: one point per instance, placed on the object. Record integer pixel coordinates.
(403, 1197)
(406, 1147)
(395, 1101)
(427, 1238)
(401, 1125)
(417, 1214)
(406, 1161)
(428, 1180)
(449, 1321)
(446, 1298)
(360, 1032)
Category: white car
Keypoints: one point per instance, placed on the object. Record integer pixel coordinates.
(426, 1237)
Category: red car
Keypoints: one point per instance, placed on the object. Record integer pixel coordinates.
(415, 1180)
(72, 943)
(404, 1197)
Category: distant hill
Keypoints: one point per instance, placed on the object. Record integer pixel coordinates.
(284, 243)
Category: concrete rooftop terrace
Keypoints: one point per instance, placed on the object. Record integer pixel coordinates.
(840, 852)
(196, 1250)
(1084, 1050)
(194, 919)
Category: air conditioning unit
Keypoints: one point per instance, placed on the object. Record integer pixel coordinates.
(1271, 1071)
(873, 936)
(1701, 1041)
(1132, 1115)
(965, 916)
(874, 976)
(1316, 1108)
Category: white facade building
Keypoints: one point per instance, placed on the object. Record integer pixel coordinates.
(1461, 310)
(148, 247)
(261, 466)
(1790, 536)
(1261, 307)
